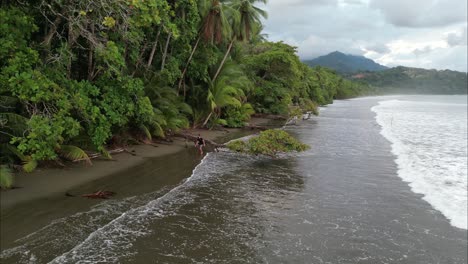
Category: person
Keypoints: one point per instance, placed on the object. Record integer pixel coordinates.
(200, 143)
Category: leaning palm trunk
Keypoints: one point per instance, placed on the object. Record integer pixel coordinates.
(224, 60)
(165, 51)
(207, 119)
(188, 63)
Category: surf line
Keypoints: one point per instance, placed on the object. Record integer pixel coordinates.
(62, 258)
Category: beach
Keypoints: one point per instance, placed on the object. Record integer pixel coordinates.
(342, 201)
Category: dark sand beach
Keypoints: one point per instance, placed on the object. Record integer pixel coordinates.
(340, 202)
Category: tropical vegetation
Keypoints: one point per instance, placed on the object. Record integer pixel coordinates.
(406, 80)
(268, 142)
(80, 76)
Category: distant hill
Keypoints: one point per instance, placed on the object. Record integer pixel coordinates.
(414, 80)
(344, 63)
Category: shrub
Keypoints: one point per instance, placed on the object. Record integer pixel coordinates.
(269, 142)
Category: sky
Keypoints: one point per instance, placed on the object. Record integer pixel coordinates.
(429, 34)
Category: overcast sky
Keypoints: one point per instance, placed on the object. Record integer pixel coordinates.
(418, 33)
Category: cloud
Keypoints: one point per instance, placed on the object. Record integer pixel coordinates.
(415, 33)
(378, 48)
(315, 46)
(422, 13)
(301, 3)
(352, 2)
(425, 50)
(457, 38)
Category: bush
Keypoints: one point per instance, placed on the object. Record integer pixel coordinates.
(269, 142)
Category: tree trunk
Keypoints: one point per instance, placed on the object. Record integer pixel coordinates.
(188, 63)
(223, 61)
(155, 45)
(140, 58)
(52, 31)
(90, 57)
(165, 51)
(207, 119)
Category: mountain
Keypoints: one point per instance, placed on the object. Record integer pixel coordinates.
(415, 80)
(345, 63)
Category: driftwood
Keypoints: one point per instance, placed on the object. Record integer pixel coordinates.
(99, 195)
(97, 155)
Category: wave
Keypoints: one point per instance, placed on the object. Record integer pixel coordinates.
(429, 140)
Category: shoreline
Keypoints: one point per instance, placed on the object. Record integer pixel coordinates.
(46, 182)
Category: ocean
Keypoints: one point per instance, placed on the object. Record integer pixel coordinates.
(383, 182)
(429, 139)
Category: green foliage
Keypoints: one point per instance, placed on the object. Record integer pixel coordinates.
(6, 177)
(238, 146)
(269, 142)
(73, 153)
(82, 73)
(30, 165)
(413, 80)
(238, 116)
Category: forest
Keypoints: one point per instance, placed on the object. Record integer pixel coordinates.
(406, 80)
(79, 76)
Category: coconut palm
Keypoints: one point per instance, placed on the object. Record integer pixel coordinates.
(227, 90)
(245, 18)
(214, 27)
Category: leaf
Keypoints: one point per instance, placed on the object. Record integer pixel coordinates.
(146, 131)
(106, 154)
(29, 166)
(17, 153)
(15, 123)
(109, 22)
(158, 131)
(6, 177)
(73, 153)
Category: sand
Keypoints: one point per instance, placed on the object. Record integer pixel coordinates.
(44, 182)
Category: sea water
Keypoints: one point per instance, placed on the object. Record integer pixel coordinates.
(429, 138)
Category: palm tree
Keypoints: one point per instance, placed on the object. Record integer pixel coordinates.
(244, 21)
(214, 27)
(227, 90)
(250, 17)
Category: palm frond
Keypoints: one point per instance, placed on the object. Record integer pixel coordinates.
(18, 154)
(158, 131)
(106, 154)
(30, 165)
(73, 153)
(6, 177)
(14, 123)
(146, 131)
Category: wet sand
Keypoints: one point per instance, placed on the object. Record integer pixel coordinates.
(45, 182)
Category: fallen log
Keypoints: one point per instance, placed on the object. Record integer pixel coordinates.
(97, 155)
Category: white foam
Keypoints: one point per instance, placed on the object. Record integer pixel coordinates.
(113, 241)
(429, 140)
